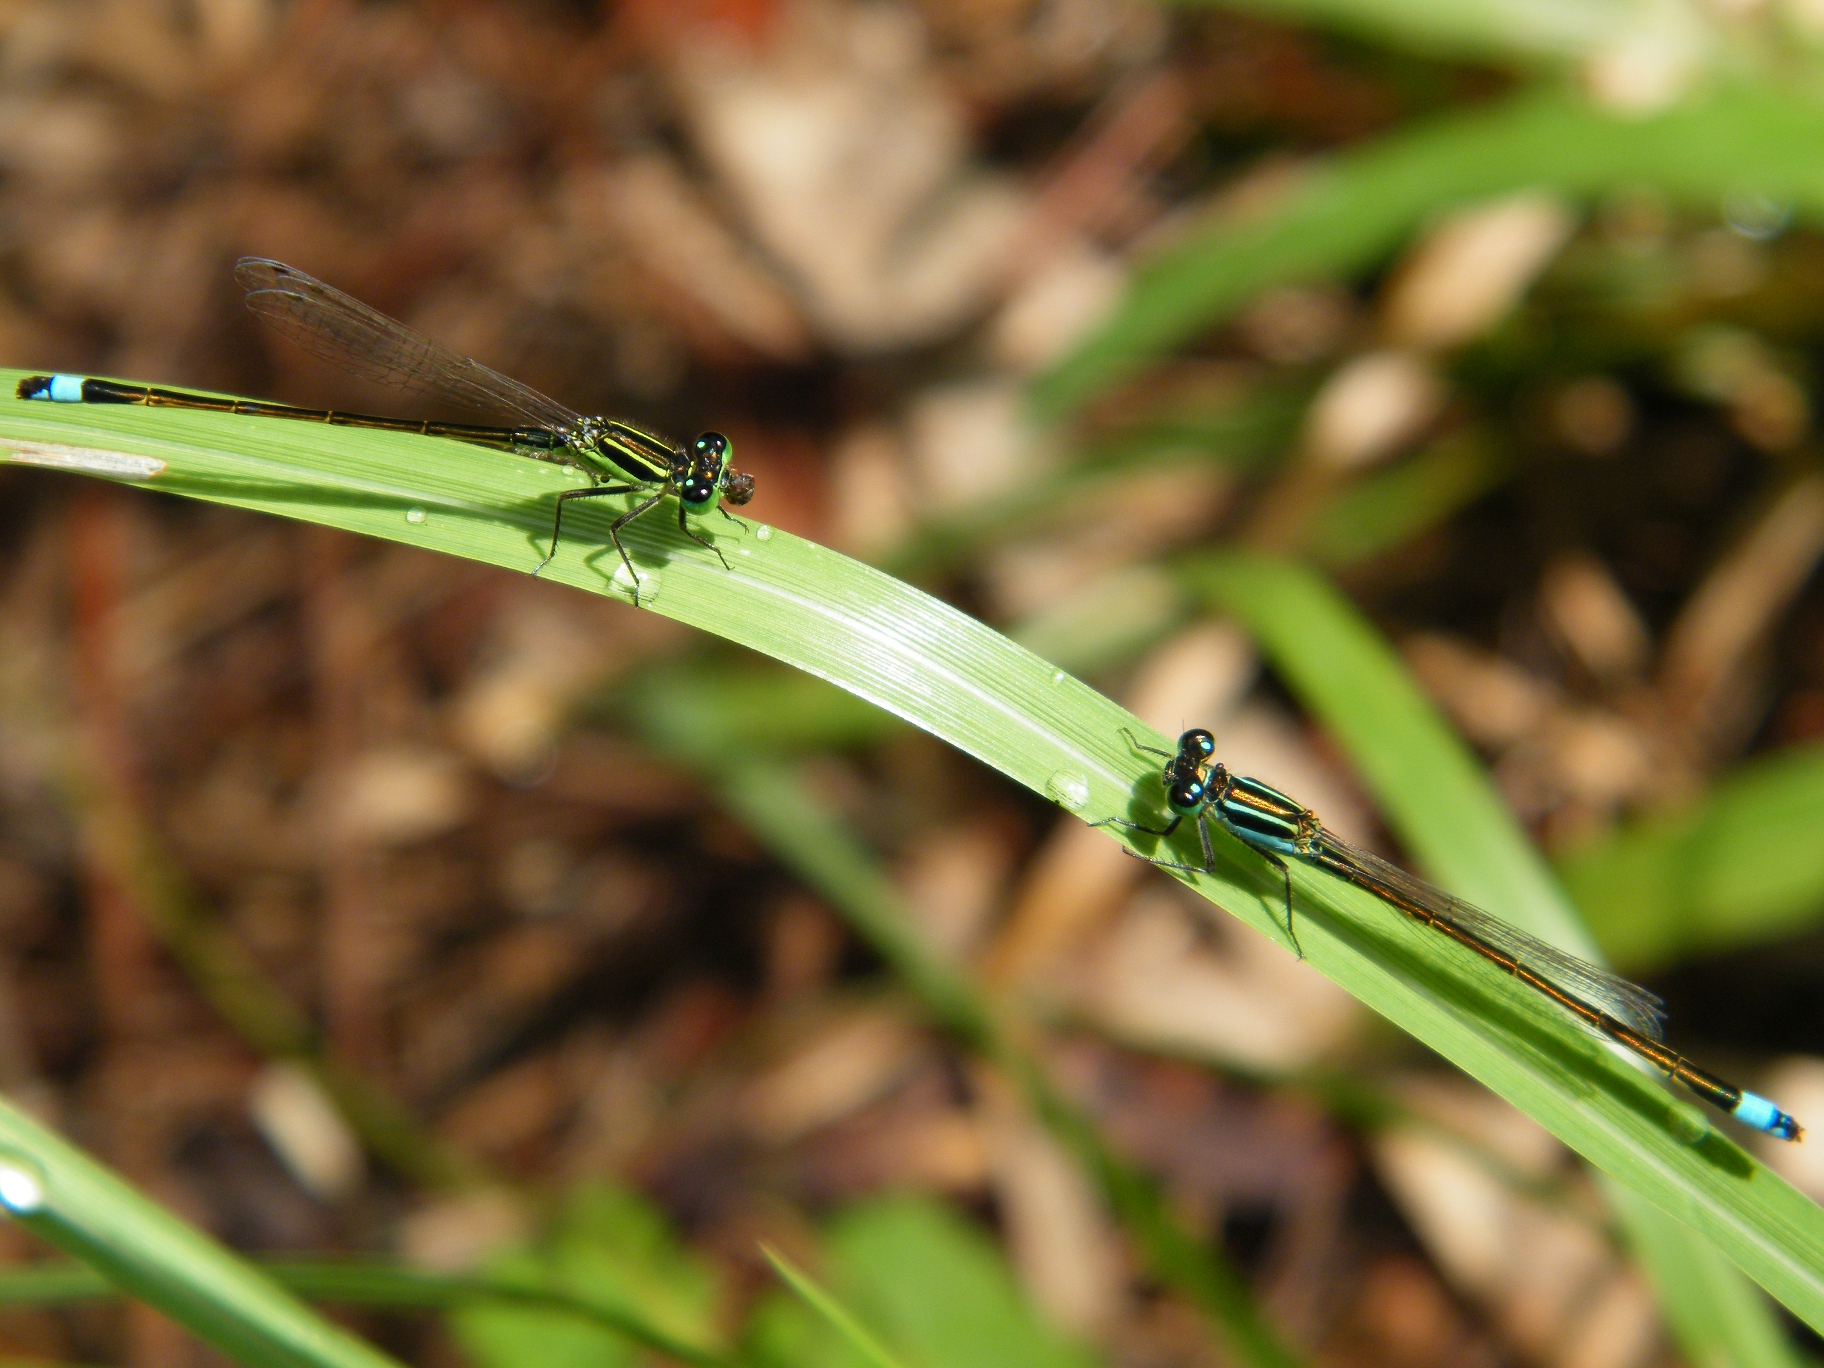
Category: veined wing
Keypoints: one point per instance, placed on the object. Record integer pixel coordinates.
(343, 331)
(1627, 1002)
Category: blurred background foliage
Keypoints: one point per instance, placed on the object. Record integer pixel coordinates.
(499, 933)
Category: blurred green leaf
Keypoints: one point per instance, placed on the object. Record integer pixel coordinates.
(1384, 510)
(1746, 864)
(1354, 210)
(753, 705)
(497, 1335)
(855, 1342)
(356, 1281)
(611, 1251)
(1512, 29)
(934, 1289)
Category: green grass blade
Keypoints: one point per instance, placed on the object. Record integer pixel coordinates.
(1744, 865)
(936, 1288)
(862, 1340)
(1356, 209)
(372, 1283)
(951, 675)
(1388, 508)
(67, 1199)
(1434, 795)
(608, 1250)
(1498, 29)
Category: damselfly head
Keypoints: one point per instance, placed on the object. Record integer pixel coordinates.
(1186, 796)
(1197, 743)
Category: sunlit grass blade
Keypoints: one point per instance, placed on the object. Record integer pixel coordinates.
(944, 671)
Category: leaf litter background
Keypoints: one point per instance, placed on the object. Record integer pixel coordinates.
(1557, 446)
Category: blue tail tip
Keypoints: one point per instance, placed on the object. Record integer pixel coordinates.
(58, 389)
(1755, 1110)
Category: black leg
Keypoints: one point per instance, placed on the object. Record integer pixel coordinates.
(1209, 851)
(1134, 741)
(614, 535)
(557, 523)
(685, 528)
(1286, 870)
(739, 522)
(1166, 830)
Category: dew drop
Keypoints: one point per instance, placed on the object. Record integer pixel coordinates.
(1068, 790)
(1058, 676)
(763, 532)
(648, 584)
(21, 1192)
(414, 515)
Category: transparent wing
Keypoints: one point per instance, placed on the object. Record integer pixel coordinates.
(1627, 1002)
(343, 331)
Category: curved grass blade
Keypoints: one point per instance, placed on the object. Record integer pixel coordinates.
(954, 677)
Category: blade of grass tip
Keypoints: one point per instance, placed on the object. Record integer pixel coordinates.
(840, 1319)
(1434, 795)
(943, 671)
(67, 1199)
(775, 805)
